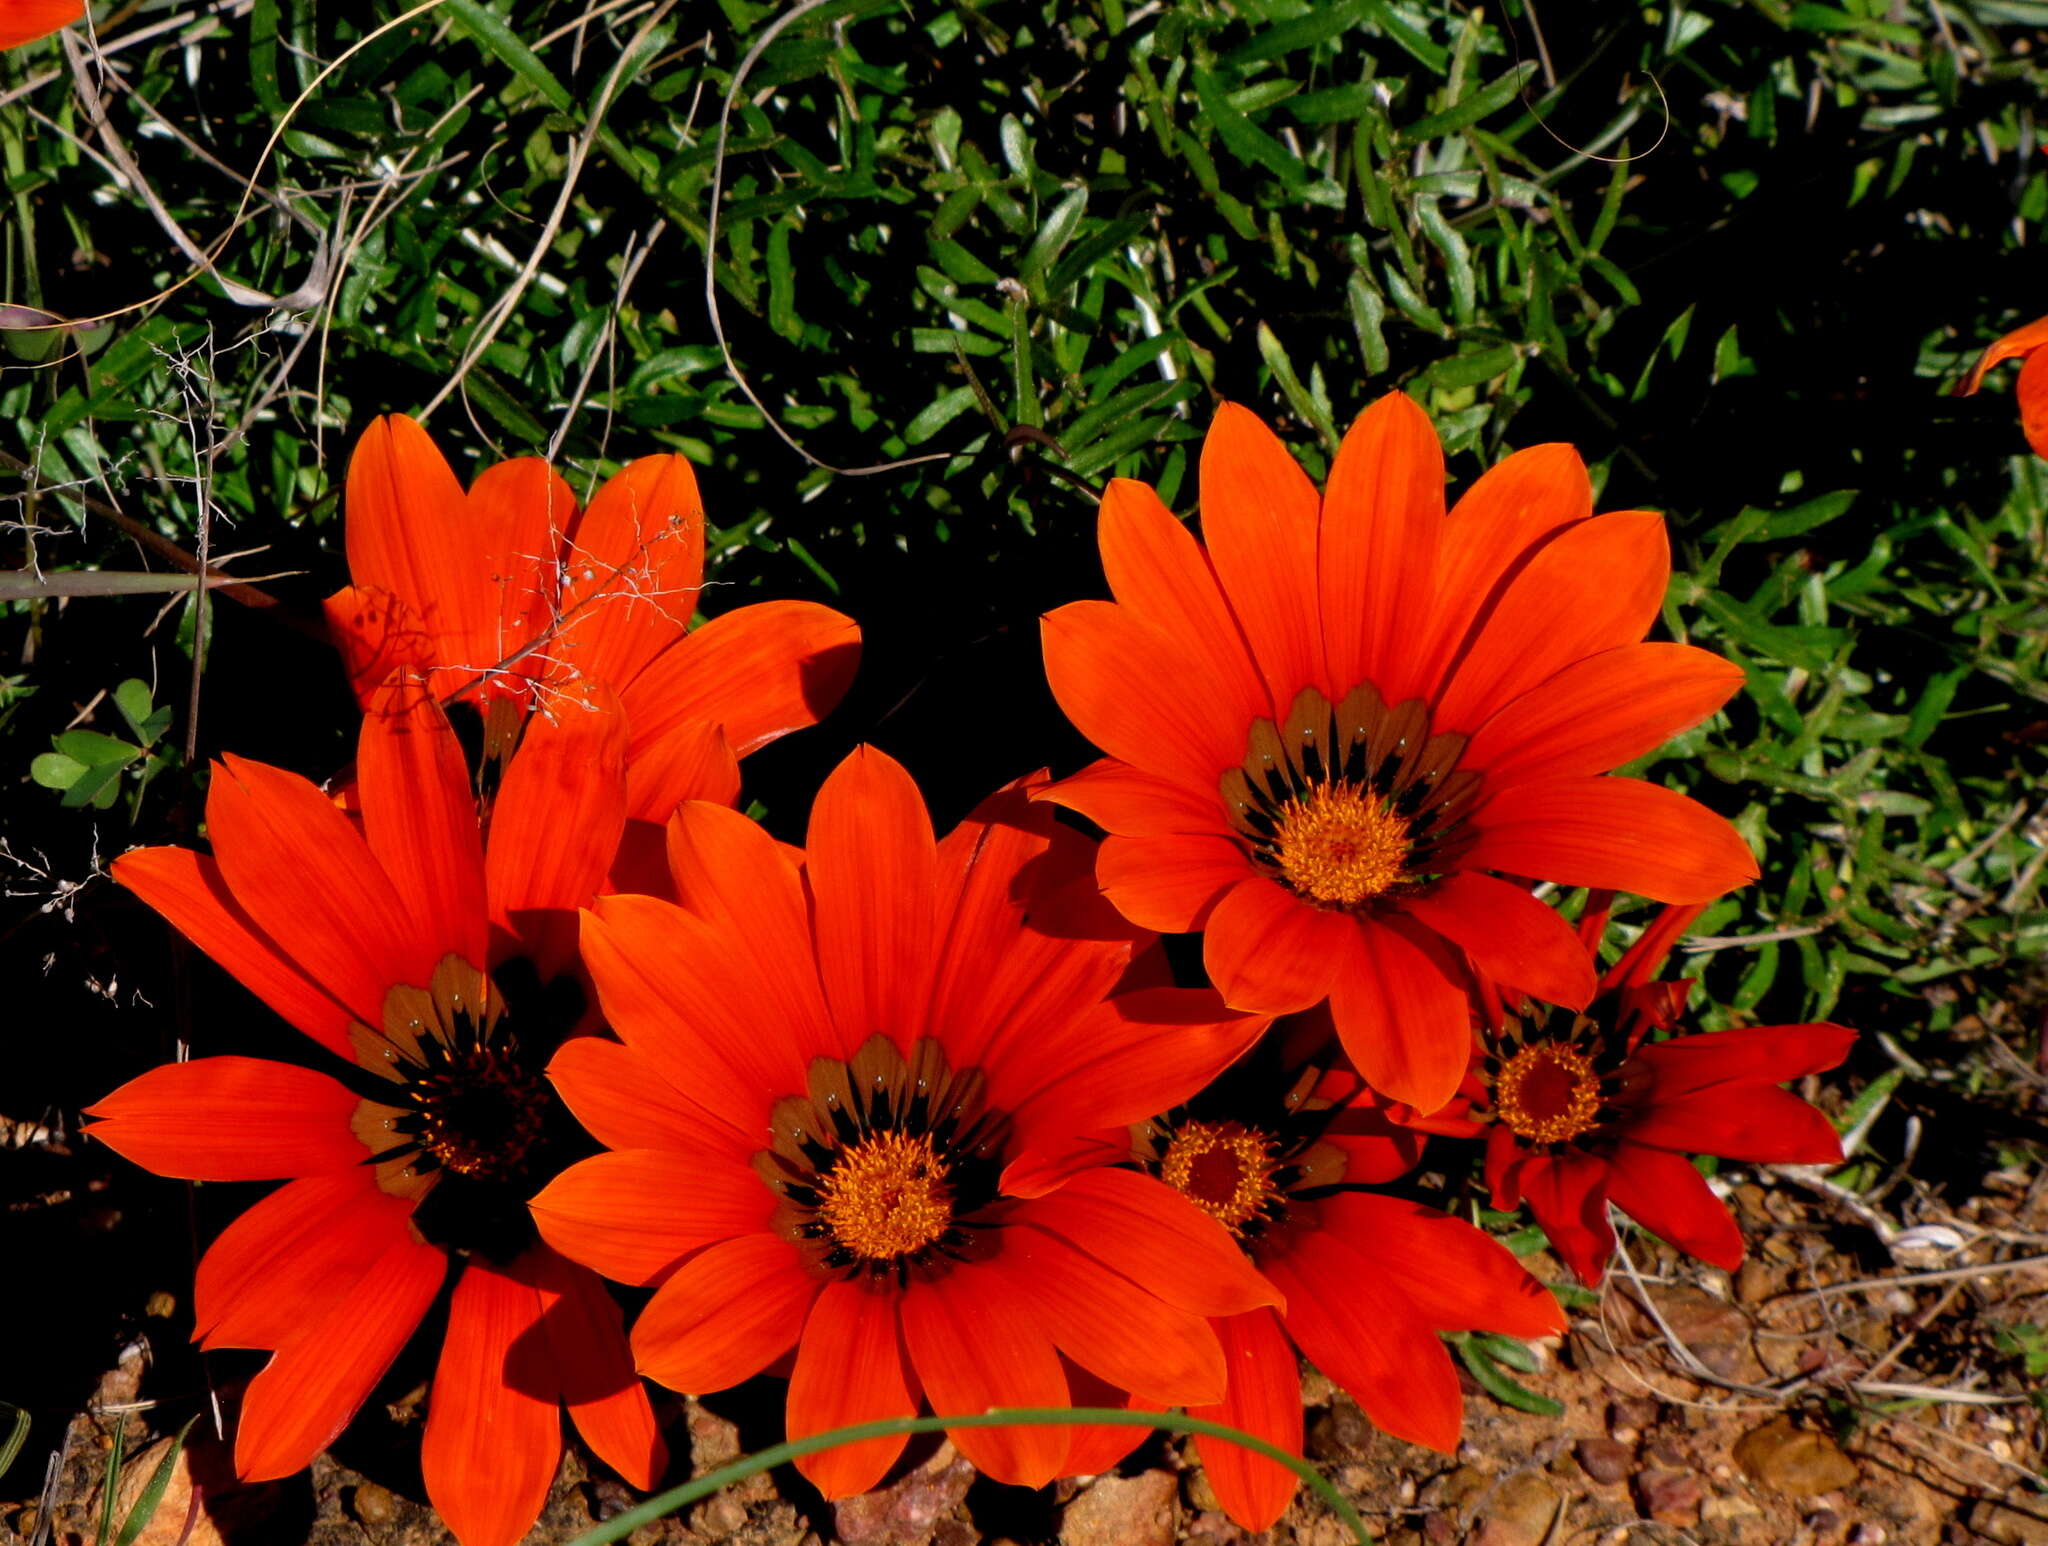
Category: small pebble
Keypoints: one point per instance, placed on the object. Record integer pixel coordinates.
(374, 1506)
(1605, 1460)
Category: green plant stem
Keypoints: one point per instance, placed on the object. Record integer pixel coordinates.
(663, 1504)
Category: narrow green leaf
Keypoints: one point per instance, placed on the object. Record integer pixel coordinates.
(152, 1496)
(1487, 100)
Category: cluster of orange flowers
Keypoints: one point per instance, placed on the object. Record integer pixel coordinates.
(923, 1122)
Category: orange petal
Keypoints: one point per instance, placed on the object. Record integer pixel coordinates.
(514, 522)
(689, 761)
(725, 1314)
(1269, 951)
(1173, 883)
(494, 1435)
(377, 635)
(1127, 1059)
(623, 1102)
(1376, 545)
(188, 890)
(976, 1348)
(1716, 1063)
(1509, 935)
(2032, 392)
(556, 823)
(593, 1366)
(231, 1119)
(1593, 587)
(873, 869)
(419, 817)
(1107, 1323)
(1668, 1197)
(1755, 1123)
(1123, 799)
(1001, 978)
(1490, 533)
(23, 21)
(2022, 340)
(293, 1257)
(315, 1382)
(1600, 712)
(1094, 1448)
(404, 531)
(1365, 1336)
(760, 671)
(303, 873)
(1619, 834)
(1259, 514)
(633, 1215)
(731, 874)
(1264, 1401)
(1159, 573)
(850, 1369)
(634, 565)
(679, 992)
(1458, 1277)
(1402, 1013)
(1567, 1191)
(1116, 680)
(1154, 1236)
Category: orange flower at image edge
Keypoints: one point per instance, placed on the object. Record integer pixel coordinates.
(832, 1062)
(1326, 726)
(23, 21)
(2032, 387)
(432, 971)
(507, 593)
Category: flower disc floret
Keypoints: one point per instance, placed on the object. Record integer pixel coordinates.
(887, 1197)
(1340, 845)
(1224, 1169)
(1548, 1093)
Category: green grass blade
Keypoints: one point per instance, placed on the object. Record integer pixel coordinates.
(662, 1504)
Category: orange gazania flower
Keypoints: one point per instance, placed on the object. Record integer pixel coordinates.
(1326, 727)
(1580, 1110)
(1283, 1153)
(506, 594)
(832, 1060)
(2031, 389)
(430, 971)
(23, 21)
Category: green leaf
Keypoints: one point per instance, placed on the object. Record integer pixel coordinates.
(54, 770)
(17, 1434)
(152, 1495)
(1497, 1383)
(1488, 100)
(938, 415)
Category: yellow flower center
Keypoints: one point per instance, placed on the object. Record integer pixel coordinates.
(1340, 846)
(1547, 1093)
(1223, 1169)
(887, 1196)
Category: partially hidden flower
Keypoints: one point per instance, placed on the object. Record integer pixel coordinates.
(23, 21)
(832, 1060)
(1582, 1110)
(507, 593)
(432, 970)
(1285, 1152)
(1336, 723)
(2031, 389)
